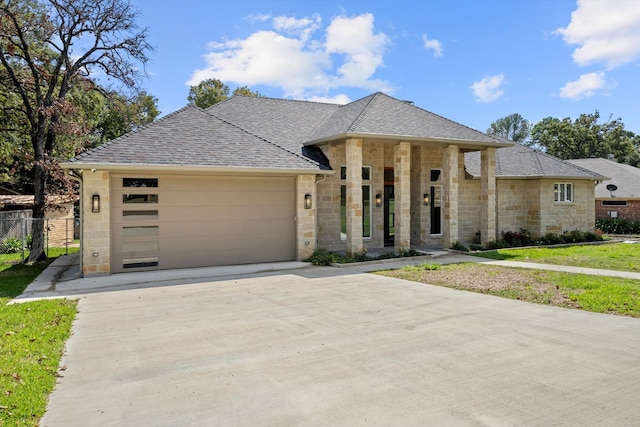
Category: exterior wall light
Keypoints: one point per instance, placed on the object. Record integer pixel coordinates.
(378, 200)
(308, 201)
(425, 199)
(95, 203)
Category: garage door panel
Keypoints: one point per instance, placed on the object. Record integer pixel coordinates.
(204, 221)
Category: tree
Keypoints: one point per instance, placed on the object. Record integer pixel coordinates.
(245, 91)
(513, 127)
(50, 47)
(211, 91)
(207, 93)
(583, 137)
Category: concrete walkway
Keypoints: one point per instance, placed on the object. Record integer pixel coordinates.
(315, 345)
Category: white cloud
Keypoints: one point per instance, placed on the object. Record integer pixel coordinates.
(434, 45)
(488, 89)
(585, 86)
(300, 27)
(303, 64)
(337, 99)
(606, 32)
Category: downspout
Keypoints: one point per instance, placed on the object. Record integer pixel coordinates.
(76, 175)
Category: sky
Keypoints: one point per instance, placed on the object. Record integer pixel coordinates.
(471, 61)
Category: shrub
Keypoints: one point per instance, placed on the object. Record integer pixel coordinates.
(618, 226)
(496, 244)
(521, 237)
(475, 247)
(10, 245)
(458, 246)
(407, 252)
(321, 257)
(361, 256)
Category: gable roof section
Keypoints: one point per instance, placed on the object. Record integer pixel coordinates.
(623, 176)
(287, 122)
(520, 161)
(384, 116)
(192, 137)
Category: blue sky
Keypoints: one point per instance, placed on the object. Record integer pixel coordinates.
(470, 61)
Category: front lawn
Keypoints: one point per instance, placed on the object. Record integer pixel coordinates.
(614, 256)
(32, 337)
(590, 293)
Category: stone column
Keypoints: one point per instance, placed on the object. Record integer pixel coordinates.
(402, 184)
(306, 218)
(354, 196)
(488, 195)
(450, 214)
(96, 239)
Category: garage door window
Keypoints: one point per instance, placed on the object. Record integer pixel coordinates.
(140, 182)
(139, 198)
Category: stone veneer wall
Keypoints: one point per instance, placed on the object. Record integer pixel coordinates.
(529, 204)
(328, 206)
(306, 218)
(96, 239)
(559, 217)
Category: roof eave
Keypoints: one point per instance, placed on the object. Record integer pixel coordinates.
(407, 138)
(128, 167)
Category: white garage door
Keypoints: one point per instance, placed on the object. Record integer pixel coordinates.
(163, 222)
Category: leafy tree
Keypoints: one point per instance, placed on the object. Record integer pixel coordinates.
(212, 91)
(207, 93)
(245, 91)
(48, 48)
(582, 138)
(513, 127)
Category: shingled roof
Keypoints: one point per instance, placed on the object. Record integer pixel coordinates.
(383, 116)
(625, 177)
(192, 137)
(520, 161)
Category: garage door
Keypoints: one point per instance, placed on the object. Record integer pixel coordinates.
(163, 222)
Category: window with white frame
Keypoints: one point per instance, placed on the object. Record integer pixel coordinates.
(563, 192)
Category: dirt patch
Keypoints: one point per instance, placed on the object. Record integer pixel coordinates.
(514, 283)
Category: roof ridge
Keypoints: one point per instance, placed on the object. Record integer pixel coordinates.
(210, 113)
(130, 133)
(280, 99)
(364, 111)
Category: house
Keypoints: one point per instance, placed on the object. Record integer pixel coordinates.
(620, 196)
(59, 219)
(255, 179)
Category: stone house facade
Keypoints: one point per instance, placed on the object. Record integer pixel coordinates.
(261, 180)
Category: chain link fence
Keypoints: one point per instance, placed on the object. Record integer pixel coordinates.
(16, 233)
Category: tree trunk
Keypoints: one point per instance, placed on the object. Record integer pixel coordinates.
(39, 207)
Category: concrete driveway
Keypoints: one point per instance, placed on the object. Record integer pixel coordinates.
(326, 346)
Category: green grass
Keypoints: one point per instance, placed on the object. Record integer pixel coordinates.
(614, 256)
(590, 293)
(32, 337)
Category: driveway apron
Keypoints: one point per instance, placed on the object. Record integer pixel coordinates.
(326, 346)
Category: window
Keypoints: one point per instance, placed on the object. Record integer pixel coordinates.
(139, 198)
(435, 175)
(366, 173)
(366, 210)
(563, 192)
(140, 182)
(614, 203)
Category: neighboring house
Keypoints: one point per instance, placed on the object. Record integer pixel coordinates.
(255, 179)
(59, 217)
(620, 196)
